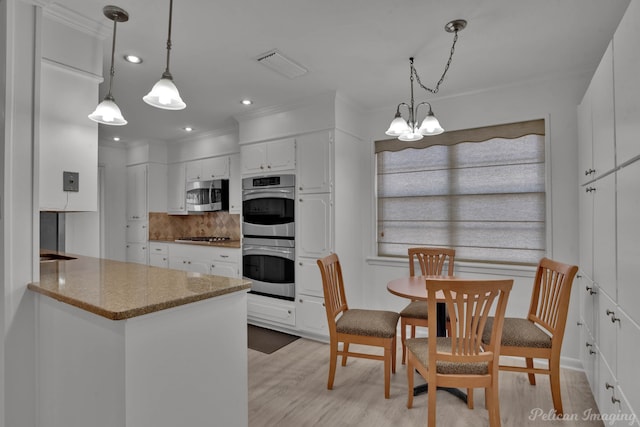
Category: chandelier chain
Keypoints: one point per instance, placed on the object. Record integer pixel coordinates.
(444, 73)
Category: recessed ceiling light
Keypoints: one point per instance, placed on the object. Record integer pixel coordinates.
(133, 59)
(116, 138)
(188, 129)
(246, 102)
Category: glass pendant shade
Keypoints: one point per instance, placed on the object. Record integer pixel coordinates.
(108, 113)
(430, 125)
(411, 135)
(398, 126)
(165, 95)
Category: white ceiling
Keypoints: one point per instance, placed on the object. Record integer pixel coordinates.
(359, 48)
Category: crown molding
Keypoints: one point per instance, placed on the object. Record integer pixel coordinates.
(72, 19)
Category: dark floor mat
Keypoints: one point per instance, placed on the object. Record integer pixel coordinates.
(266, 340)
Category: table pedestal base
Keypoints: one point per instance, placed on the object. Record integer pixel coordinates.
(424, 388)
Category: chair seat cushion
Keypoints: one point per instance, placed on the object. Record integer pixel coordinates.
(517, 332)
(420, 348)
(415, 310)
(371, 323)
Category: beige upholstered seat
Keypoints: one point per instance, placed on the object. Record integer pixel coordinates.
(357, 326)
(540, 335)
(461, 359)
(432, 262)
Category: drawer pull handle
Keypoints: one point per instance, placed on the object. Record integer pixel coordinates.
(608, 386)
(590, 290)
(615, 400)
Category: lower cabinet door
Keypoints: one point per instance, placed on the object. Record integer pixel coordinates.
(159, 260)
(136, 252)
(312, 316)
(226, 269)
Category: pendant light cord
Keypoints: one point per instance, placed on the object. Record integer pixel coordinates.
(167, 73)
(112, 71)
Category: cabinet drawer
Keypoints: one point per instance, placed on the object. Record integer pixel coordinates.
(607, 330)
(628, 348)
(159, 248)
(271, 310)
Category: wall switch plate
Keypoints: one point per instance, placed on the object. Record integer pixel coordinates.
(70, 181)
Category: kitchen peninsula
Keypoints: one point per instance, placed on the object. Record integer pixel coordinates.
(125, 344)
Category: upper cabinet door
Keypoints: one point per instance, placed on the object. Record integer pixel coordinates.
(235, 185)
(137, 192)
(602, 115)
(585, 140)
(176, 185)
(207, 169)
(627, 85)
(314, 153)
(267, 157)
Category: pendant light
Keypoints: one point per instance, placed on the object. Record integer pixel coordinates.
(408, 130)
(107, 112)
(164, 93)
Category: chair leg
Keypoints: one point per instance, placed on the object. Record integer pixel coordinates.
(387, 371)
(532, 376)
(394, 344)
(554, 379)
(409, 382)
(470, 398)
(493, 405)
(333, 360)
(345, 350)
(431, 407)
(403, 339)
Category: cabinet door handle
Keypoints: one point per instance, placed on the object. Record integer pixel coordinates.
(608, 386)
(224, 256)
(590, 189)
(591, 291)
(615, 400)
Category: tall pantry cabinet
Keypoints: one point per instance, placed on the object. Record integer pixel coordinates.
(609, 277)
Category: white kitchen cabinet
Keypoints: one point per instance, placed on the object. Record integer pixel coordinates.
(226, 269)
(207, 169)
(267, 157)
(607, 329)
(137, 231)
(585, 140)
(602, 106)
(588, 292)
(235, 185)
(628, 232)
(261, 308)
(314, 161)
(589, 357)
(627, 364)
(137, 192)
(312, 315)
(604, 234)
(627, 85)
(314, 231)
(189, 264)
(137, 253)
(158, 255)
(308, 278)
(176, 188)
(585, 220)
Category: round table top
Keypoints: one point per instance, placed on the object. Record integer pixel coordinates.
(414, 287)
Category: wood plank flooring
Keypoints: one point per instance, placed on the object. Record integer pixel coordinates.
(289, 388)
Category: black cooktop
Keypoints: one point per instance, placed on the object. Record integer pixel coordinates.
(203, 239)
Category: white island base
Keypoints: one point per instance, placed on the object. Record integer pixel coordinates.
(183, 366)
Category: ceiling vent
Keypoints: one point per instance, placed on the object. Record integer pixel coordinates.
(281, 64)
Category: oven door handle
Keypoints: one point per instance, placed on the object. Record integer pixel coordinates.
(266, 250)
(262, 194)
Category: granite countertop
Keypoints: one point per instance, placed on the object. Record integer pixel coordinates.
(222, 244)
(121, 290)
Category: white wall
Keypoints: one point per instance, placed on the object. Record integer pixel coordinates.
(113, 160)
(555, 101)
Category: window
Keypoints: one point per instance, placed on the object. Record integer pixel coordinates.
(480, 191)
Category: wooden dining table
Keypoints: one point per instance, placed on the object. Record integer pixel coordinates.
(415, 289)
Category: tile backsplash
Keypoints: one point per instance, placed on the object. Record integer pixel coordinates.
(169, 227)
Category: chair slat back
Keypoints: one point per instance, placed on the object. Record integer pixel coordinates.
(335, 301)
(432, 260)
(550, 296)
(469, 304)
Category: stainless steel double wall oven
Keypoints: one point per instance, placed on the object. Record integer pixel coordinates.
(268, 228)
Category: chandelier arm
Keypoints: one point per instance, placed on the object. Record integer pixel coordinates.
(446, 68)
(418, 106)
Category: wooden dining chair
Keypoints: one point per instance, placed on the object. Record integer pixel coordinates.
(461, 359)
(432, 262)
(355, 326)
(540, 334)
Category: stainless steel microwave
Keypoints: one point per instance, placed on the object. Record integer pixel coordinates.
(207, 196)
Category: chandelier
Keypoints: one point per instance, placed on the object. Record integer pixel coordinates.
(408, 130)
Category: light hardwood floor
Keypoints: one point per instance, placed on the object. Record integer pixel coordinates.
(289, 388)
